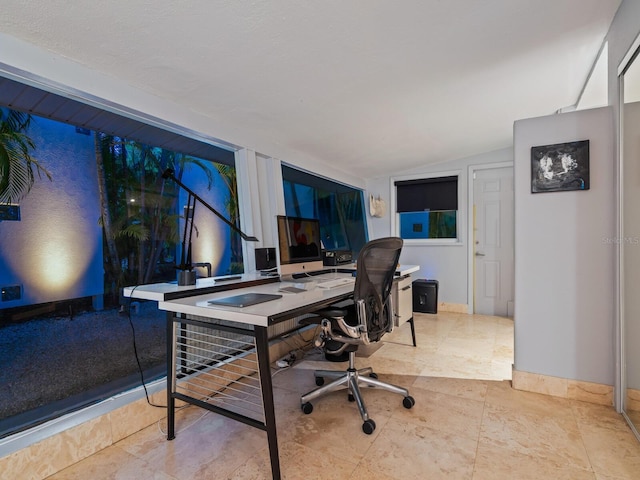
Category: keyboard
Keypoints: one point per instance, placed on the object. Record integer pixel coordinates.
(336, 282)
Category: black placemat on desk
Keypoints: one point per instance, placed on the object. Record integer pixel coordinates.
(244, 300)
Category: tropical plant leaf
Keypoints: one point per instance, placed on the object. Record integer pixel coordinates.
(16, 163)
(135, 231)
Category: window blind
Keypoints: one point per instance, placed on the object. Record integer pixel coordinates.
(438, 193)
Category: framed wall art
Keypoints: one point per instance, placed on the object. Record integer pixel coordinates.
(560, 167)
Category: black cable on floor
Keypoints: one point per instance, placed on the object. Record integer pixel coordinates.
(135, 352)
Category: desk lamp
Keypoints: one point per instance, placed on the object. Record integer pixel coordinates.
(186, 274)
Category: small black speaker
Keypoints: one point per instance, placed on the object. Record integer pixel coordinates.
(425, 296)
(265, 258)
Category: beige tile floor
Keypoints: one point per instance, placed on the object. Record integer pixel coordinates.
(467, 423)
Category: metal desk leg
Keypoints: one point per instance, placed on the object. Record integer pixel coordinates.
(171, 375)
(413, 331)
(262, 348)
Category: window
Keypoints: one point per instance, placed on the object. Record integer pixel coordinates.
(65, 333)
(339, 208)
(427, 208)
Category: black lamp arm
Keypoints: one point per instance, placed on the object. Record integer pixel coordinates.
(170, 174)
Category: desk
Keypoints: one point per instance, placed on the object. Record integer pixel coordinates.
(229, 376)
(196, 368)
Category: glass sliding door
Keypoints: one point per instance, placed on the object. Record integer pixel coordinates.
(630, 241)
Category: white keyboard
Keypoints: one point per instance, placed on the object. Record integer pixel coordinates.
(336, 282)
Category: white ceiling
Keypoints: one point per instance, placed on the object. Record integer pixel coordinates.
(370, 87)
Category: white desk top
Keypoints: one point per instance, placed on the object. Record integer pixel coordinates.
(164, 291)
(262, 314)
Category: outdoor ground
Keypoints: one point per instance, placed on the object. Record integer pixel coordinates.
(55, 363)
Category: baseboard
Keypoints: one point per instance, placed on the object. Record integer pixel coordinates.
(563, 387)
(633, 400)
(453, 307)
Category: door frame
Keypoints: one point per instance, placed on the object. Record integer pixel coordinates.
(471, 170)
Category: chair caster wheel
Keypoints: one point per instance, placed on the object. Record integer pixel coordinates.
(368, 426)
(307, 408)
(408, 402)
(351, 398)
(319, 381)
(373, 375)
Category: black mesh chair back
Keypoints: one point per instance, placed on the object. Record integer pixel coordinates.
(377, 264)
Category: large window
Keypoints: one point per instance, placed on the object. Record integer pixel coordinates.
(427, 208)
(339, 208)
(96, 216)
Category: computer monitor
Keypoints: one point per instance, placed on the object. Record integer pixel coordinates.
(299, 245)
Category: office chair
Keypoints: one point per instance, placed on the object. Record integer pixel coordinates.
(364, 322)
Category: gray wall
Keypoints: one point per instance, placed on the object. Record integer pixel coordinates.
(565, 255)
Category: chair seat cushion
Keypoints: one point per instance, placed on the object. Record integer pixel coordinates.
(334, 345)
(333, 312)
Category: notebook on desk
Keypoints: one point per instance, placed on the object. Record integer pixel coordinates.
(244, 300)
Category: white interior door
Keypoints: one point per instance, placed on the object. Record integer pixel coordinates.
(493, 239)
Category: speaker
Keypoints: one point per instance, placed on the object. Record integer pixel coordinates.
(265, 258)
(425, 296)
(336, 257)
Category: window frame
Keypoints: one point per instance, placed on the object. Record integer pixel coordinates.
(395, 219)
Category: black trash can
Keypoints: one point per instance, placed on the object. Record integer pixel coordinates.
(425, 296)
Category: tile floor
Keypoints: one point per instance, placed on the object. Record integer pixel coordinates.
(467, 423)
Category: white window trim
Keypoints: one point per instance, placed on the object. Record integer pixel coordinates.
(395, 216)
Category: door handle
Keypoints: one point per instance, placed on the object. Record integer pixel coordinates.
(479, 254)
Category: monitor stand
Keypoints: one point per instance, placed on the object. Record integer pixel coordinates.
(305, 283)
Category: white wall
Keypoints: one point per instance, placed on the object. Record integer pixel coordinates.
(564, 294)
(446, 263)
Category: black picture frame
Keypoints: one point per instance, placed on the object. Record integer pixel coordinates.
(560, 167)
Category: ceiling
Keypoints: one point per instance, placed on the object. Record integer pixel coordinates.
(369, 87)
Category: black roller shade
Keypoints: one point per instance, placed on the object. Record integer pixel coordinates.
(439, 193)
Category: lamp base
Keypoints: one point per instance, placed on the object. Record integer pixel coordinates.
(186, 277)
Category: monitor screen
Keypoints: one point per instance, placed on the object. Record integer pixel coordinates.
(299, 245)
